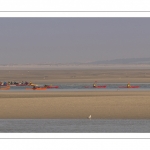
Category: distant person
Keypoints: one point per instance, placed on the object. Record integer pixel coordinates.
(34, 87)
(5, 83)
(94, 85)
(26, 83)
(128, 85)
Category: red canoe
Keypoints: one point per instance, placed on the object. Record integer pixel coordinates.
(38, 88)
(129, 87)
(102, 86)
(23, 85)
(5, 88)
(52, 87)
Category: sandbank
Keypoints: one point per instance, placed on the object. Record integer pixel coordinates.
(75, 105)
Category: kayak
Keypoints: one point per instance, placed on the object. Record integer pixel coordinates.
(129, 87)
(23, 85)
(102, 86)
(5, 88)
(12, 85)
(18, 85)
(52, 87)
(4, 85)
(39, 88)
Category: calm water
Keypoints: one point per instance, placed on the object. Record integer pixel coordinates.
(87, 87)
(74, 126)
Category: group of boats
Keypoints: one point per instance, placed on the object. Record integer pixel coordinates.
(16, 83)
(31, 86)
(104, 86)
(42, 88)
(7, 85)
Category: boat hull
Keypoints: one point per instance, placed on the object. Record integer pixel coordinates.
(52, 87)
(129, 87)
(5, 88)
(97, 87)
(22, 85)
(36, 89)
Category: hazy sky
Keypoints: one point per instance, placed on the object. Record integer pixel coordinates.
(61, 40)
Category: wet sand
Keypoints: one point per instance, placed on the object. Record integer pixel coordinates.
(108, 104)
(71, 105)
(82, 75)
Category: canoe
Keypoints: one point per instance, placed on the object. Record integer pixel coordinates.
(23, 85)
(18, 85)
(12, 85)
(52, 87)
(102, 86)
(4, 85)
(15, 85)
(38, 88)
(129, 87)
(5, 88)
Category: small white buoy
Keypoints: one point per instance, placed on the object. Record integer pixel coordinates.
(90, 117)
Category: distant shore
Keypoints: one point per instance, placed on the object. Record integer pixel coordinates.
(72, 66)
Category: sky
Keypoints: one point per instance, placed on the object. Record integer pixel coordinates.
(68, 40)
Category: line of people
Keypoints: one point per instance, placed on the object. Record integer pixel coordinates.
(15, 83)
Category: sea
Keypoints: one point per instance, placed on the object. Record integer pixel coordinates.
(74, 125)
(87, 87)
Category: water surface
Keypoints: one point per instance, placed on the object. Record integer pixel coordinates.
(74, 126)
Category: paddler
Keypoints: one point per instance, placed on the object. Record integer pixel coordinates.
(94, 85)
(34, 87)
(5, 83)
(128, 85)
(31, 84)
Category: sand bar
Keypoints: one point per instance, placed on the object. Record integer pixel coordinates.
(75, 105)
(84, 75)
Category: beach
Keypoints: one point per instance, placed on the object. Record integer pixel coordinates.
(75, 104)
(78, 75)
